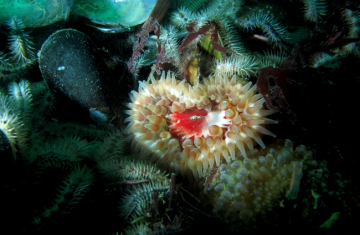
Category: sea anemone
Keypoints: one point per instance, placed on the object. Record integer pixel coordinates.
(241, 190)
(314, 9)
(20, 42)
(190, 128)
(10, 125)
(244, 66)
(275, 34)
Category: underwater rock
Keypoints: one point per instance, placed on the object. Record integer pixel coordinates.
(70, 63)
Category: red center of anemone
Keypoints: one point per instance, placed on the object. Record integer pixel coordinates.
(189, 122)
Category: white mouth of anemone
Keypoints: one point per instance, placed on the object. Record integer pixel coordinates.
(196, 122)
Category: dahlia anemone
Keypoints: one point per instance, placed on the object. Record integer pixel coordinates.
(191, 128)
(241, 190)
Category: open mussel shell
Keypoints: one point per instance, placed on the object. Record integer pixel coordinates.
(113, 16)
(35, 13)
(71, 64)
